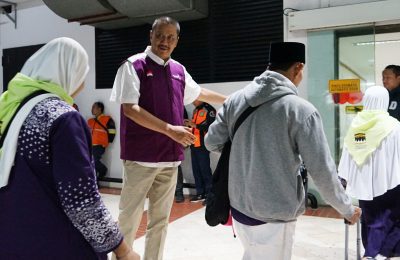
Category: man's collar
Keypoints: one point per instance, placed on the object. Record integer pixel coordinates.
(155, 58)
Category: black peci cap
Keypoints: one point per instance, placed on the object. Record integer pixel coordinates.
(287, 52)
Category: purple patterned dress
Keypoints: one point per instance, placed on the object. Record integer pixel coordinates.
(51, 208)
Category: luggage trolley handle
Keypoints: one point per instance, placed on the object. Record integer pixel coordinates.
(346, 241)
(347, 223)
(358, 241)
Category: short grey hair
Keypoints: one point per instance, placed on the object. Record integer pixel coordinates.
(166, 20)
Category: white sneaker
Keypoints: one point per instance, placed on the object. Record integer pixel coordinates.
(381, 257)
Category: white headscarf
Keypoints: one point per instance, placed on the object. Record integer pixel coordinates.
(376, 98)
(62, 61)
(370, 126)
(370, 159)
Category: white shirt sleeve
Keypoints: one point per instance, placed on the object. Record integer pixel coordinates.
(126, 85)
(192, 89)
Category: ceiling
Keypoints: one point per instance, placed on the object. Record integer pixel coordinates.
(3, 3)
(366, 61)
(21, 4)
(112, 14)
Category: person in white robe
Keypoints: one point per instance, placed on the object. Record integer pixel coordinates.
(370, 164)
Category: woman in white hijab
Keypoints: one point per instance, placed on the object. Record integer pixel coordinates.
(50, 205)
(370, 164)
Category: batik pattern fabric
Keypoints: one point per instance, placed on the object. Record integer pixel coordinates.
(84, 207)
(56, 136)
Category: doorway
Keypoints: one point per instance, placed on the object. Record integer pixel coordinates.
(355, 60)
(363, 54)
(13, 59)
(356, 53)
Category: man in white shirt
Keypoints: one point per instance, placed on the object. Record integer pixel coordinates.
(152, 89)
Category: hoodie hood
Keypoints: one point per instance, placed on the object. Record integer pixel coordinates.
(269, 85)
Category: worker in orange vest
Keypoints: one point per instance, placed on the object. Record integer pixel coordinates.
(102, 128)
(203, 117)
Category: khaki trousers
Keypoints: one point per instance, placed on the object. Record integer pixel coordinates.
(159, 185)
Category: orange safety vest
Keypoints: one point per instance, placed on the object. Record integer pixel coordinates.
(198, 117)
(99, 134)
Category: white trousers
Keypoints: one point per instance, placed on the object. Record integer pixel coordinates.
(272, 241)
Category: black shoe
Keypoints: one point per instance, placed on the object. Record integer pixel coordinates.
(179, 198)
(197, 198)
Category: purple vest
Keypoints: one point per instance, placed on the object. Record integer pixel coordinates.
(161, 94)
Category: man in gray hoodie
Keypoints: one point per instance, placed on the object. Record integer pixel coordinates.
(265, 187)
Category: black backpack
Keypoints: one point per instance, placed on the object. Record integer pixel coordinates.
(218, 205)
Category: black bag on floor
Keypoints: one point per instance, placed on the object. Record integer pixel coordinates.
(218, 205)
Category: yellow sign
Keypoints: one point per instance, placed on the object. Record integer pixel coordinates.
(344, 86)
(353, 109)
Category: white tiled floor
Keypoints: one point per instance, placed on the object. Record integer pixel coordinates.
(190, 238)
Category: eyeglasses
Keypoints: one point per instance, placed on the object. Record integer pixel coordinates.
(168, 38)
